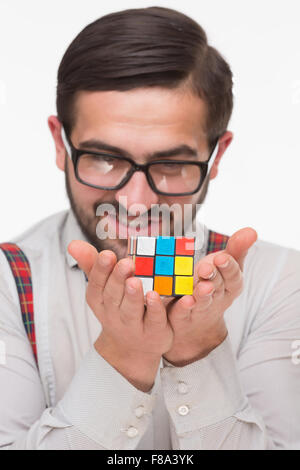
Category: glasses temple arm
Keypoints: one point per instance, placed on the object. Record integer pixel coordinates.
(212, 158)
(66, 143)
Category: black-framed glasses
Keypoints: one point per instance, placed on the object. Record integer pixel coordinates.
(111, 172)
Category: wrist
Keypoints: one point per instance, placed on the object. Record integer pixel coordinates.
(182, 356)
(139, 369)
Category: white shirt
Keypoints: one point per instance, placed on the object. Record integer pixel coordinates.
(243, 395)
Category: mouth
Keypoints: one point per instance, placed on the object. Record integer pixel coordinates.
(135, 226)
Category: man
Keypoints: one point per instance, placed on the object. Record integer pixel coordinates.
(115, 370)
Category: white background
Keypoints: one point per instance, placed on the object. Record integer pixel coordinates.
(258, 183)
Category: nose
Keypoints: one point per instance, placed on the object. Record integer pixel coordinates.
(138, 192)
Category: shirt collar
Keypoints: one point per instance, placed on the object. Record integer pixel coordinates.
(71, 231)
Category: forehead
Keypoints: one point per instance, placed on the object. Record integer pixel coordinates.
(152, 113)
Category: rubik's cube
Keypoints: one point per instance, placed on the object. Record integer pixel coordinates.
(164, 264)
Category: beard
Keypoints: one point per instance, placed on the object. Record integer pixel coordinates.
(88, 223)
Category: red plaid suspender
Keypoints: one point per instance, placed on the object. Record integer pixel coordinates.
(20, 268)
(216, 242)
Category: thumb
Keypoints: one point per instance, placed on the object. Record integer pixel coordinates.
(84, 253)
(239, 244)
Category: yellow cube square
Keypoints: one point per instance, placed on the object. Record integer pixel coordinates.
(184, 265)
(184, 285)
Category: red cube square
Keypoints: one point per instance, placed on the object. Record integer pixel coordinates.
(185, 246)
(144, 265)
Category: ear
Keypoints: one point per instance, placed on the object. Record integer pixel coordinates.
(55, 129)
(224, 142)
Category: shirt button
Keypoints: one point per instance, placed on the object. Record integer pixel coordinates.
(182, 388)
(183, 410)
(132, 432)
(139, 411)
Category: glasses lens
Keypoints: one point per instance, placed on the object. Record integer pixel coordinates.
(175, 177)
(102, 170)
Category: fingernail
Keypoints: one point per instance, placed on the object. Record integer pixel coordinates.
(123, 269)
(151, 298)
(224, 265)
(225, 260)
(105, 260)
(211, 293)
(130, 289)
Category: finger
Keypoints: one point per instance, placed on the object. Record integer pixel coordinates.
(168, 303)
(208, 271)
(155, 315)
(203, 294)
(99, 274)
(132, 305)
(239, 244)
(181, 311)
(114, 289)
(84, 253)
(230, 271)
(208, 259)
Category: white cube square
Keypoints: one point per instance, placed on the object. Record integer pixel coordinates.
(146, 246)
(147, 284)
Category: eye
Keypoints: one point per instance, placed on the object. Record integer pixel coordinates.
(101, 158)
(171, 167)
(106, 158)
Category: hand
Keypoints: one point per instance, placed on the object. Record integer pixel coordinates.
(198, 320)
(131, 341)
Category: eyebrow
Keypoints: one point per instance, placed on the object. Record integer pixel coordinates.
(100, 145)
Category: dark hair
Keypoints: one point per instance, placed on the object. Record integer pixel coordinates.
(146, 47)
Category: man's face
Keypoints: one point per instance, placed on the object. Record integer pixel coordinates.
(140, 122)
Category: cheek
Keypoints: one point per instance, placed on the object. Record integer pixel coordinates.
(83, 195)
(180, 201)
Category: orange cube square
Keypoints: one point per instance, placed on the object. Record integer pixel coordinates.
(163, 285)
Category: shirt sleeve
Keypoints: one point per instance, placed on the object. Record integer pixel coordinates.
(100, 409)
(250, 401)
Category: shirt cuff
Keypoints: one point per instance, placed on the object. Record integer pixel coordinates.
(204, 392)
(104, 406)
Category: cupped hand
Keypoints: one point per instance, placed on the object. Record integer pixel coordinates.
(198, 320)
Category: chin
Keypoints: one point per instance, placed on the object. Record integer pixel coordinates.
(119, 247)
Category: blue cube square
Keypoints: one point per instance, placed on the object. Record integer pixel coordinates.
(165, 245)
(164, 265)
